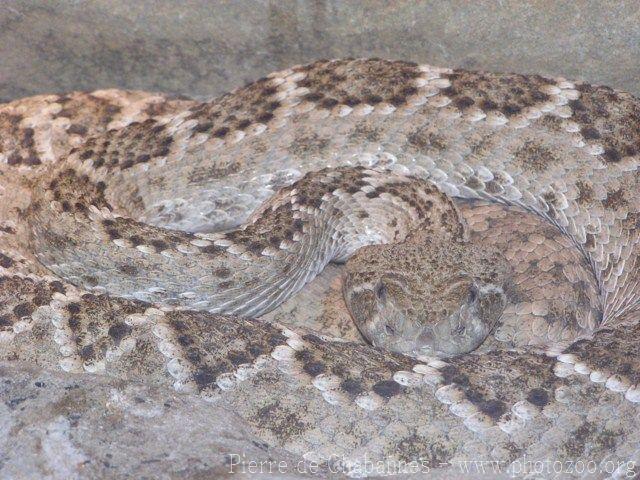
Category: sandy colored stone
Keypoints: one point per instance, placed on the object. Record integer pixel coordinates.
(203, 48)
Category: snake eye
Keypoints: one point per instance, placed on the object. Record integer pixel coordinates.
(380, 291)
(473, 293)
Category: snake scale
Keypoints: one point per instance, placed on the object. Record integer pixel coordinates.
(114, 202)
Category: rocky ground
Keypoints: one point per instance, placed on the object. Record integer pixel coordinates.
(191, 48)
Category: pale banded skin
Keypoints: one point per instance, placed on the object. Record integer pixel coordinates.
(324, 217)
(565, 152)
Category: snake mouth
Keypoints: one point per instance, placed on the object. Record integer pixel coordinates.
(459, 333)
(468, 327)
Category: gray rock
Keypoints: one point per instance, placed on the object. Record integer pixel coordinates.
(63, 426)
(203, 48)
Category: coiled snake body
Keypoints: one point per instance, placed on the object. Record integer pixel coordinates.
(544, 170)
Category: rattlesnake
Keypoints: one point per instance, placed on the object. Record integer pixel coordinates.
(543, 168)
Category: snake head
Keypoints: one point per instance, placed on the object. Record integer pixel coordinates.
(438, 299)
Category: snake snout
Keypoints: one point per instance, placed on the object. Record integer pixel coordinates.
(390, 315)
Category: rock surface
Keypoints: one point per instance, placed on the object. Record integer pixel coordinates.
(201, 48)
(64, 426)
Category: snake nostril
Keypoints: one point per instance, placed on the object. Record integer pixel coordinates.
(473, 293)
(381, 291)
